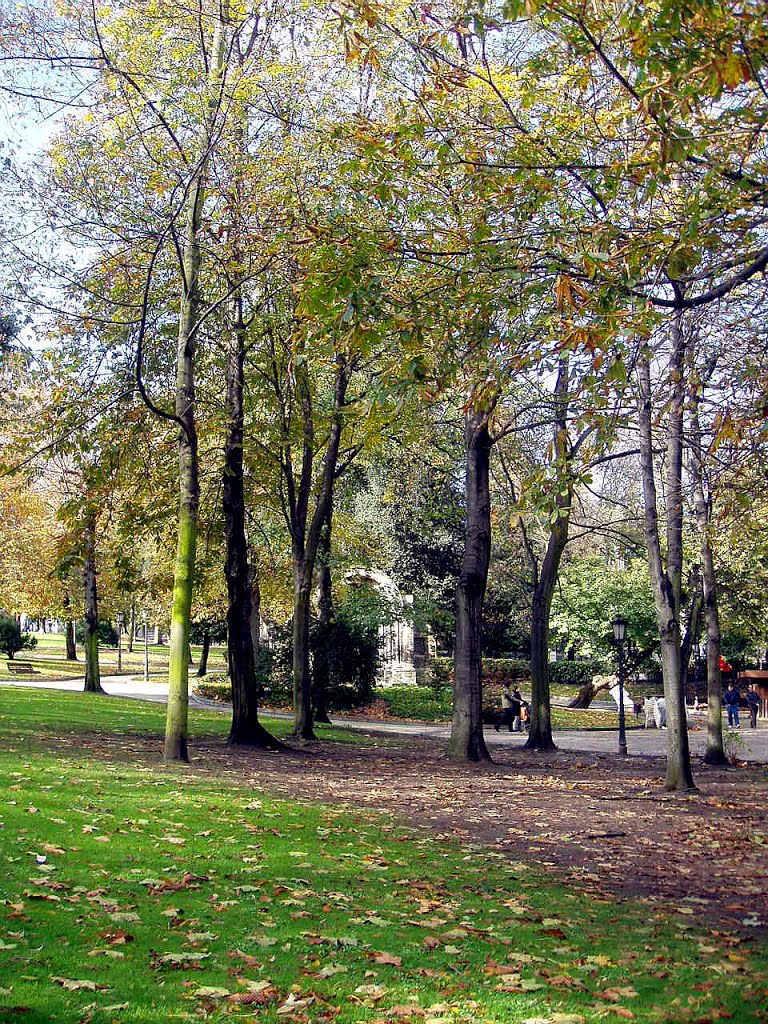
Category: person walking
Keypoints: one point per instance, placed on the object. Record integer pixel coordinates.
(731, 699)
(510, 709)
(506, 709)
(753, 703)
(517, 709)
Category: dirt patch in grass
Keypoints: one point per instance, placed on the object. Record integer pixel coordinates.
(603, 825)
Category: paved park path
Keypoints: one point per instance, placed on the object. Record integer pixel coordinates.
(747, 744)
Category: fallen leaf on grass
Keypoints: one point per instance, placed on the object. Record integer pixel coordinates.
(294, 1003)
(255, 997)
(247, 960)
(211, 992)
(116, 937)
(388, 958)
(177, 961)
(615, 995)
(330, 969)
(374, 992)
(187, 881)
(341, 941)
(566, 981)
(77, 985)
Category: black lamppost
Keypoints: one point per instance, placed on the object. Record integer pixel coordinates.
(619, 632)
(120, 621)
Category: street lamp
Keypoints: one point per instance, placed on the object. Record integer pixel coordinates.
(619, 632)
(145, 620)
(120, 621)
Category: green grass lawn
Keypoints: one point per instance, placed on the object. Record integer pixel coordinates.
(29, 716)
(48, 660)
(136, 893)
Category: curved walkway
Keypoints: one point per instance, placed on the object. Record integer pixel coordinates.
(746, 744)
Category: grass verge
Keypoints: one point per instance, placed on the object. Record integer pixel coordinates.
(134, 893)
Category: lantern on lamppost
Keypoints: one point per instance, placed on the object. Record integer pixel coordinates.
(619, 625)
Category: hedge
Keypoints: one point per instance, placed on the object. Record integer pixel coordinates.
(420, 702)
(576, 673)
(496, 671)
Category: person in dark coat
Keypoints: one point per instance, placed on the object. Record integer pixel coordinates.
(510, 708)
(731, 699)
(753, 703)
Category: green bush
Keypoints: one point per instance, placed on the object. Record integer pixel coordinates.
(497, 671)
(440, 674)
(214, 687)
(577, 673)
(106, 633)
(419, 702)
(11, 637)
(350, 647)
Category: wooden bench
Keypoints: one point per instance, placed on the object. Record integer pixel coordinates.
(20, 668)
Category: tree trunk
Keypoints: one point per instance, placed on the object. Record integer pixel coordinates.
(176, 727)
(91, 644)
(302, 689)
(467, 741)
(545, 578)
(246, 728)
(70, 644)
(540, 729)
(255, 624)
(667, 583)
(131, 627)
(586, 695)
(202, 668)
(306, 540)
(321, 663)
(70, 640)
(715, 750)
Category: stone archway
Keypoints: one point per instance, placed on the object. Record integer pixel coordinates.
(396, 638)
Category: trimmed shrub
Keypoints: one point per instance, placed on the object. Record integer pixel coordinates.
(576, 673)
(497, 671)
(419, 702)
(214, 687)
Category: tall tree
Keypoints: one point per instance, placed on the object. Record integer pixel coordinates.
(467, 740)
(666, 563)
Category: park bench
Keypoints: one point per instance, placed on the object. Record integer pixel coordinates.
(20, 668)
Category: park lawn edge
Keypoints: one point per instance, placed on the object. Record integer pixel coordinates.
(187, 896)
